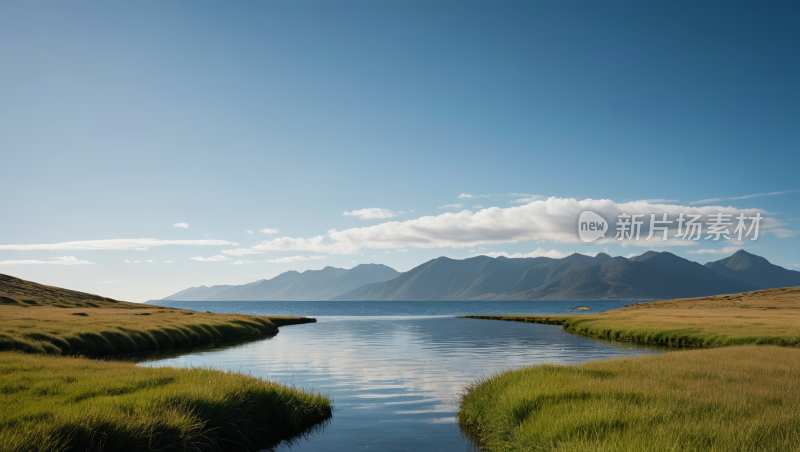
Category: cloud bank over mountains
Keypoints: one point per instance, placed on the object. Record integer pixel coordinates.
(553, 220)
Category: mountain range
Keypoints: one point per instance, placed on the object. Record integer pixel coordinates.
(652, 275)
(310, 285)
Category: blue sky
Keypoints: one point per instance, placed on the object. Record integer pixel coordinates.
(119, 121)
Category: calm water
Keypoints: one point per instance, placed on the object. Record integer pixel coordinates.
(392, 308)
(394, 378)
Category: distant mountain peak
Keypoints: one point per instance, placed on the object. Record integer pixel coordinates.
(292, 285)
(644, 256)
(755, 270)
(574, 277)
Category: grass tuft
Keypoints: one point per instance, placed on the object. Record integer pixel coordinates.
(728, 399)
(50, 403)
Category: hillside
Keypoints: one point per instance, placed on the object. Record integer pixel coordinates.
(755, 270)
(19, 292)
(293, 286)
(575, 277)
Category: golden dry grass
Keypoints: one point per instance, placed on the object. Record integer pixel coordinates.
(762, 317)
(19, 292)
(45, 329)
(731, 399)
(55, 403)
(37, 318)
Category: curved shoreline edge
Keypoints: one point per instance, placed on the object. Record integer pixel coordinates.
(735, 391)
(764, 317)
(54, 396)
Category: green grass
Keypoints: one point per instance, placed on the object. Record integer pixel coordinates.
(59, 403)
(35, 318)
(726, 399)
(19, 292)
(50, 403)
(111, 331)
(762, 317)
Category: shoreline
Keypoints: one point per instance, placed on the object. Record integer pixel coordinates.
(765, 317)
(68, 382)
(735, 391)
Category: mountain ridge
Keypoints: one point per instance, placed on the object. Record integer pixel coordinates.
(575, 277)
(756, 270)
(649, 276)
(309, 285)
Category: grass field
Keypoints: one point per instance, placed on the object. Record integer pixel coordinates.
(743, 397)
(53, 403)
(763, 317)
(724, 399)
(59, 403)
(108, 330)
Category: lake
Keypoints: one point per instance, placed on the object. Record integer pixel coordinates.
(394, 377)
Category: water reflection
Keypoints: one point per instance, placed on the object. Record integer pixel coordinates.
(395, 380)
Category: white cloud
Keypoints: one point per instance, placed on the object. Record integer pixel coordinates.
(373, 212)
(736, 198)
(477, 207)
(241, 262)
(658, 243)
(792, 265)
(387, 252)
(114, 244)
(495, 195)
(63, 260)
(631, 255)
(244, 251)
(217, 258)
(451, 206)
(528, 199)
(269, 231)
(149, 261)
(169, 262)
(726, 250)
(248, 232)
(180, 225)
(288, 260)
(539, 252)
(552, 220)
(784, 233)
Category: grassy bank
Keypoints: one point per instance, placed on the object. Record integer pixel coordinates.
(763, 317)
(54, 403)
(50, 403)
(103, 331)
(726, 399)
(36, 318)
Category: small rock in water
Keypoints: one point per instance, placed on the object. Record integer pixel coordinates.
(583, 308)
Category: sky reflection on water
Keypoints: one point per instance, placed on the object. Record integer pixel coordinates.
(395, 380)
